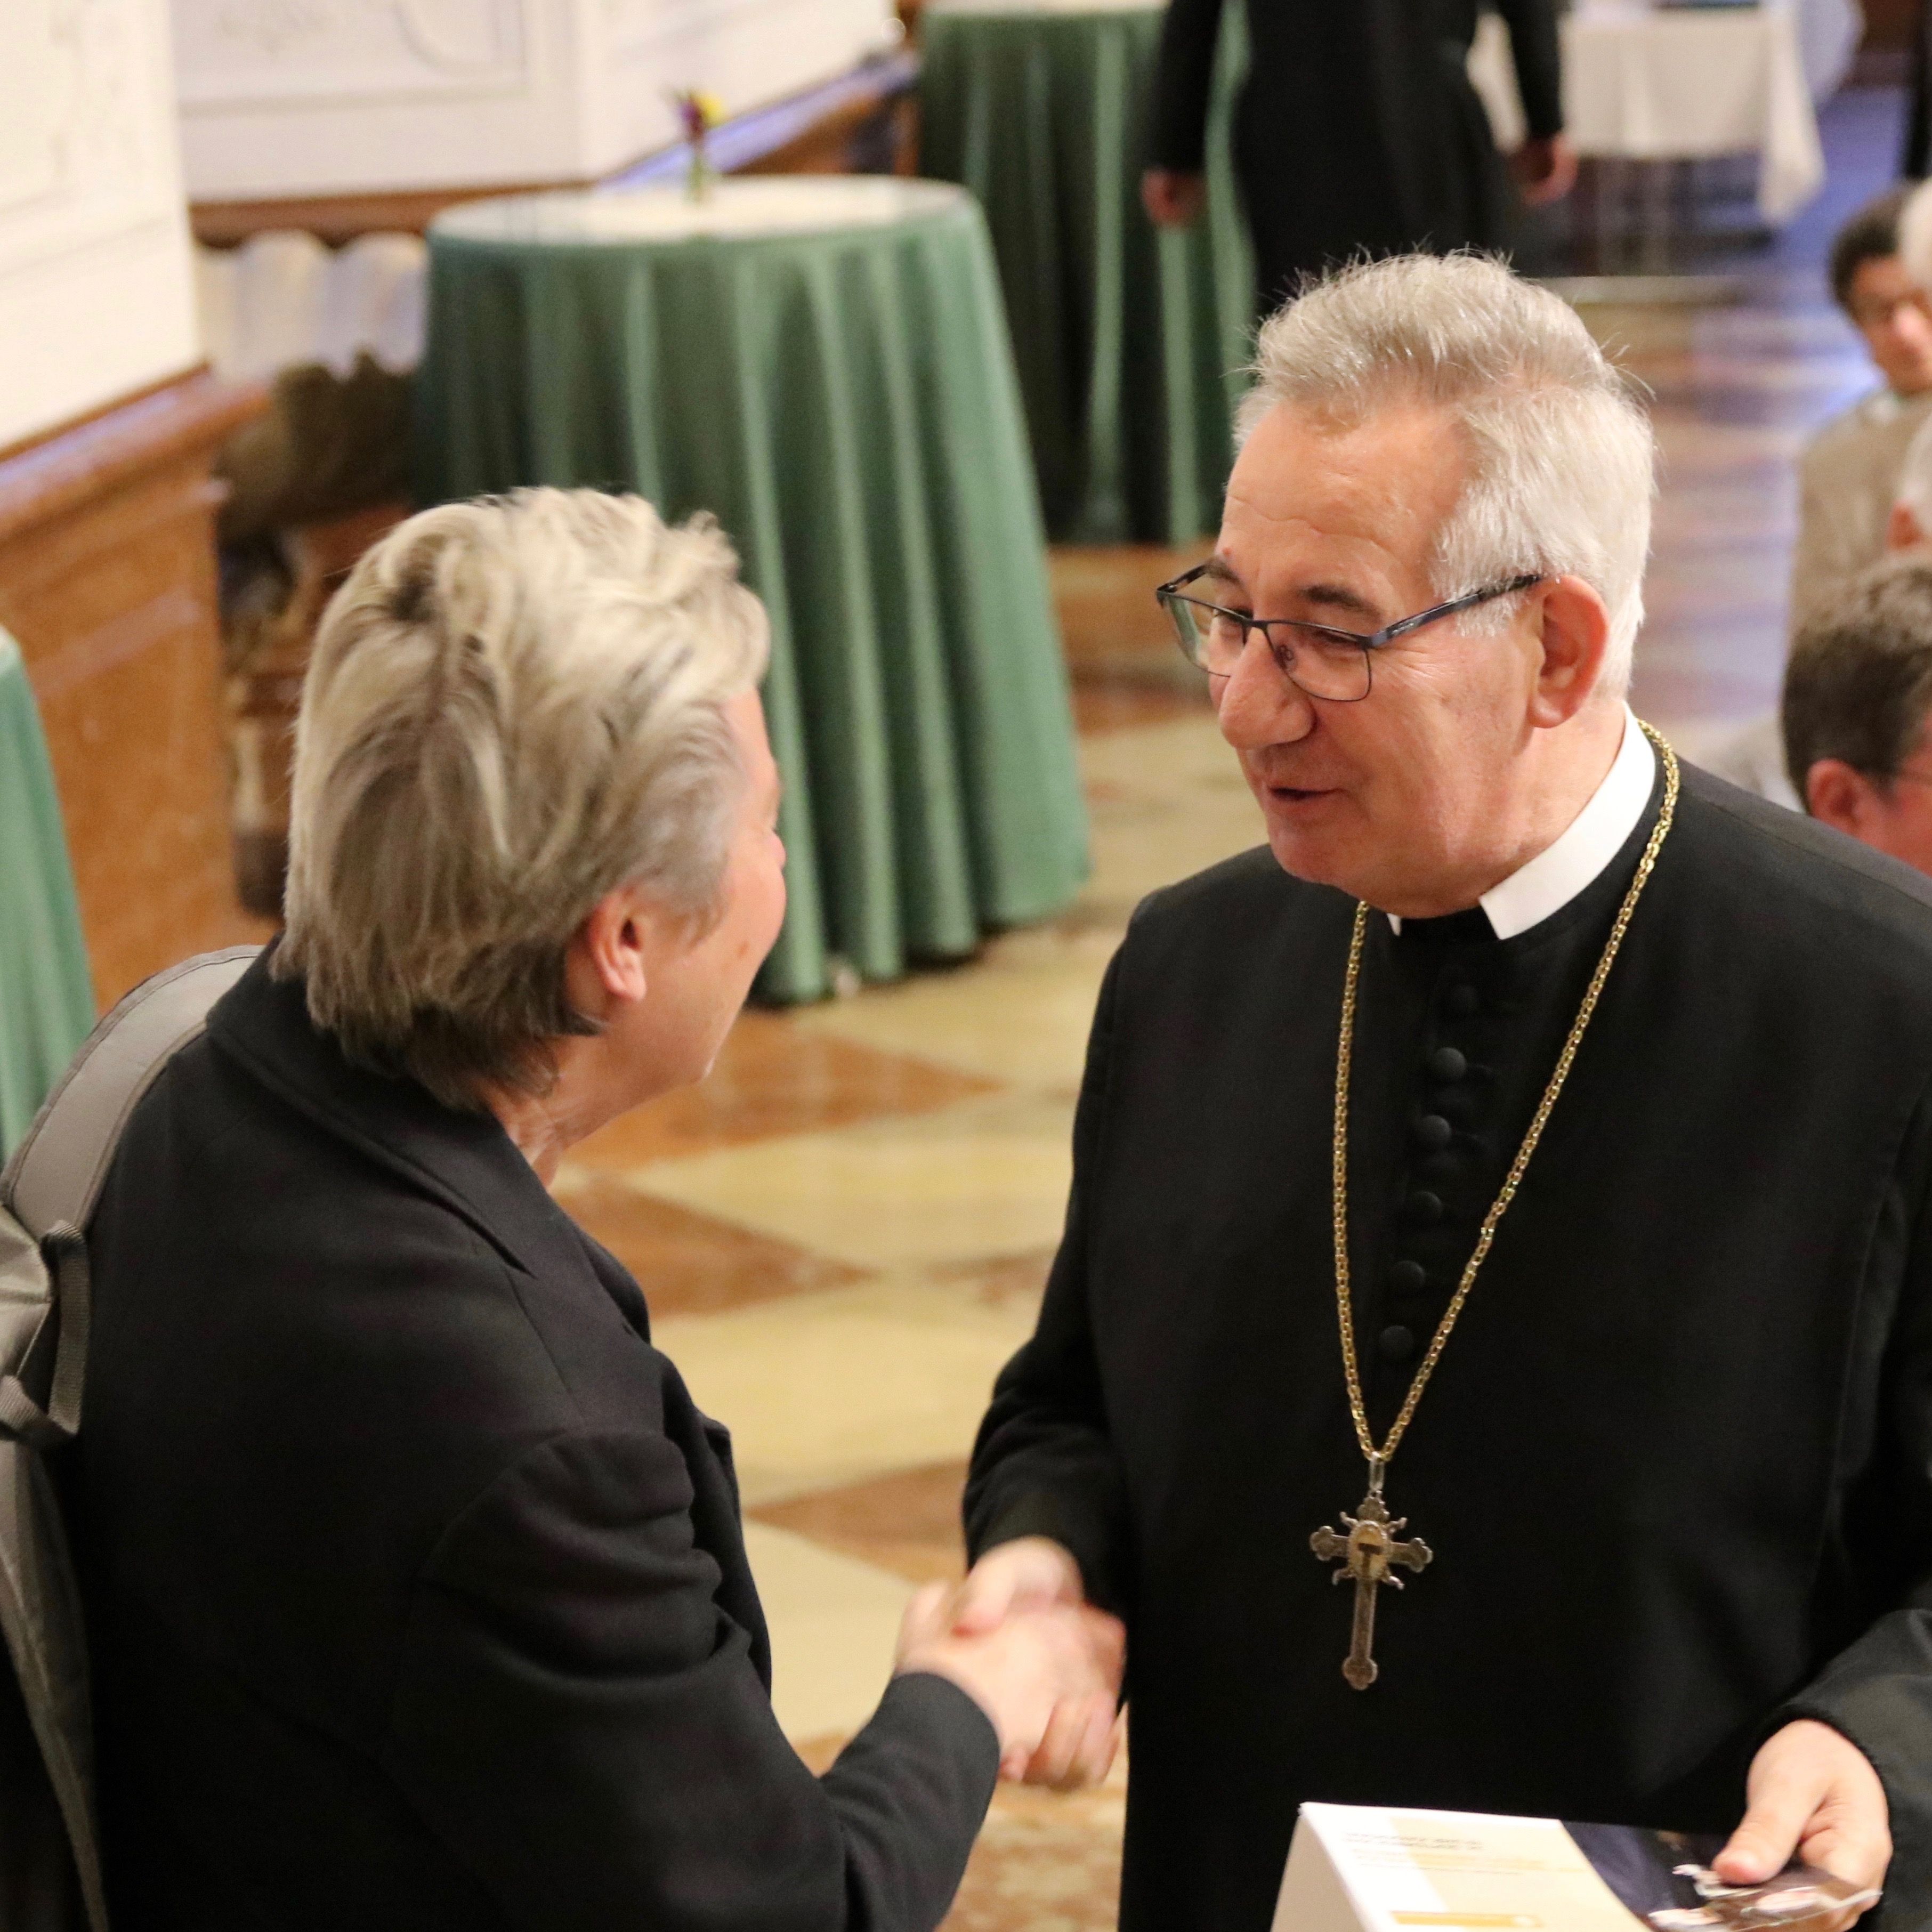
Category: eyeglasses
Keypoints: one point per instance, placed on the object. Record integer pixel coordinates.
(1318, 659)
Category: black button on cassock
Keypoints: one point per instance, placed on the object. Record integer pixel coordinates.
(1396, 1343)
(1462, 999)
(1433, 1133)
(1424, 1206)
(1446, 1063)
(1408, 1278)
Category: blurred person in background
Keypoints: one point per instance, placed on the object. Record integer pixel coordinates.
(1858, 697)
(1848, 475)
(1358, 130)
(1909, 526)
(415, 1579)
(1851, 474)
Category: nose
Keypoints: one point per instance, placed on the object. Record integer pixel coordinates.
(1258, 705)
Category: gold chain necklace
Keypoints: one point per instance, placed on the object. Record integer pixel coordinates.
(1369, 1553)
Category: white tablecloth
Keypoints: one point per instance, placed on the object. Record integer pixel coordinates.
(753, 205)
(1676, 85)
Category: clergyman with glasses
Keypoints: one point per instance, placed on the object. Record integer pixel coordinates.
(1489, 1365)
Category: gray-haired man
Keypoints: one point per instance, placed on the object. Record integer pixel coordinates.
(1515, 1183)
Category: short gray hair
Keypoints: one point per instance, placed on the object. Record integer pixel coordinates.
(1561, 458)
(514, 706)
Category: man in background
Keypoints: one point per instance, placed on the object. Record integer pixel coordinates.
(1848, 475)
(1855, 476)
(1358, 130)
(1858, 695)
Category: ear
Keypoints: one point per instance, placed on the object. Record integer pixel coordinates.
(1840, 795)
(1901, 529)
(1575, 627)
(610, 955)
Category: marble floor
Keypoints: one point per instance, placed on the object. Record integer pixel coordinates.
(843, 1233)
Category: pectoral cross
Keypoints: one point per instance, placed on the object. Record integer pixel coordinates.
(1367, 1555)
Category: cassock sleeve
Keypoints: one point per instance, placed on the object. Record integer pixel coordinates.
(1183, 78)
(579, 1721)
(1879, 1691)
(1534, 42)
(1044, 1464)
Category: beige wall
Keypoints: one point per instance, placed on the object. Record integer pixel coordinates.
(349, 96)
(94, 291)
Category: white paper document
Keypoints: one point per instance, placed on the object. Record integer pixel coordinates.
(1368, 1868)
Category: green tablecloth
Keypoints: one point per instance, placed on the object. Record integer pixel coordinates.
(823, 363)
(47, 1000)
(1127, 340)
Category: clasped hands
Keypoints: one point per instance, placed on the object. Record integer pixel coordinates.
(1018, 1637)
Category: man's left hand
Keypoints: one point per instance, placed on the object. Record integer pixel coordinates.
(1813, 1793)
(1545, 169)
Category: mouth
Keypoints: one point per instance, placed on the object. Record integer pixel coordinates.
(1292, 795)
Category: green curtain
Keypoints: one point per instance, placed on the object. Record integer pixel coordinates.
(1129, 342)
(47, 998)
(844, 403)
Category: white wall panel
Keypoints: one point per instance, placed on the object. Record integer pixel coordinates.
(291, 97)
(95, 295)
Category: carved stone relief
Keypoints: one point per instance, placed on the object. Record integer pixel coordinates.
(238, 52)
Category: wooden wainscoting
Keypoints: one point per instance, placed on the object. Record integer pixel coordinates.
(107, 580)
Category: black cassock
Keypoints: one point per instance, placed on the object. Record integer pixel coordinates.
(1358, 128)
(1676, 1464)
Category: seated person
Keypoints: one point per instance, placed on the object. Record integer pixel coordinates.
(1858, 693)
(1848, 474)
(415, 1577)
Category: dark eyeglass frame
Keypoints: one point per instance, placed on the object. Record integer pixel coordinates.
(1367, 642)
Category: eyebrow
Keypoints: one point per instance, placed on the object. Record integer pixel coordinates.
(1336, 597)
(1339, 597)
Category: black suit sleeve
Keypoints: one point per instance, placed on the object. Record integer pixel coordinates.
(1044, 1464)
(1878, 1691)
(1183, 84)
(1534, 41)
(567, 1625)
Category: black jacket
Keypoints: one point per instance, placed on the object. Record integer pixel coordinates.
(415, 1578)
(1358, 128)
(1675, 1463)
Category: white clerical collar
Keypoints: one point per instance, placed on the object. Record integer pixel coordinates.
(1595, 836)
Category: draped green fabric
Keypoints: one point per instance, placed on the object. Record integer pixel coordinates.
(844, 403)
(47, 999)
(1128, 341)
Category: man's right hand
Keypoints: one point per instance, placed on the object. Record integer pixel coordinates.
(1018, 1640)
(1173, 198)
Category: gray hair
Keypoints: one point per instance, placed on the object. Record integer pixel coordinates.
(1858, 685)
(1561, 460)
(513, 707)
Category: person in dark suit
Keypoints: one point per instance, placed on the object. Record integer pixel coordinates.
(414, 1577)
(1357, 131)
(1534, 1141)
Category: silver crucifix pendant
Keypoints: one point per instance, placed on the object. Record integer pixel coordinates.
(1368, 1555)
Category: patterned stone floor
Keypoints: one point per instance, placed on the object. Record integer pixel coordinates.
(845, 1232)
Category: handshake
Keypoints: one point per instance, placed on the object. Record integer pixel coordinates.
(1018, 1638)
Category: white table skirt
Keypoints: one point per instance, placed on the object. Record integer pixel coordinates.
(739, 207)
(1676, 85)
